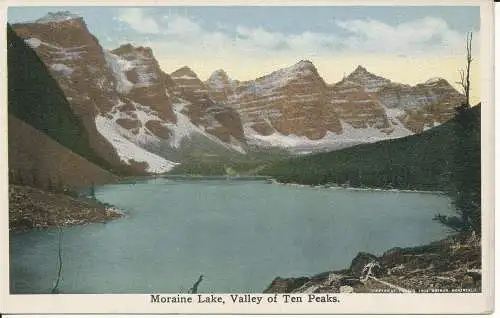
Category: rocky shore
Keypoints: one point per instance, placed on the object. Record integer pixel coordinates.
(449, 265)
(33, 208)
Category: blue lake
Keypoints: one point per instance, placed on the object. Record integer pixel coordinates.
(238, 234)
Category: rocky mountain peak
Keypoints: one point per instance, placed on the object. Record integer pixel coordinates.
(60, 16)
(367, 80)
(436, 80)
(124, 48)
(361, 71)
(220, 73)
(128, 48)
(220, 80)
(280, 78)
(184, 72)
(134, 103)
(307, 64)
(302, 67)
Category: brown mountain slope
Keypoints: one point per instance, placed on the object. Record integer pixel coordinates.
(37, 160)
(75, 59)
(215, 116)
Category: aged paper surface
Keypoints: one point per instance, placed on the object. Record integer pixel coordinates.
(283, 157)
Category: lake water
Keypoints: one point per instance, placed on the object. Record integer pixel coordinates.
(238, 234)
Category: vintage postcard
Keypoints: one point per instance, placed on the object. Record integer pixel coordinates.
(248, 157)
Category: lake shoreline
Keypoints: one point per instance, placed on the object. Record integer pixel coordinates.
(31, 208)
(451, 265)
(299, 185)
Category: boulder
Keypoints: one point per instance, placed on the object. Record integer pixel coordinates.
(360, 261)
(350, 281)
(346, 289)
(285, 285)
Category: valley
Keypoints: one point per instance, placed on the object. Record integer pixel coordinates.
(105, 144)
(138, 117)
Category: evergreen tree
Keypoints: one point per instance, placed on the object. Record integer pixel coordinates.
(465, 175)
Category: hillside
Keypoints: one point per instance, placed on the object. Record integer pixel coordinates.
(423, 161)
(49, 151)
(37, 160)
(36, 98)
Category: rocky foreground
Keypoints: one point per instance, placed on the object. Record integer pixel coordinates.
(449, 265)
(33, 208)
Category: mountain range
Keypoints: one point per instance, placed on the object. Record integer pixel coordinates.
(135, 116)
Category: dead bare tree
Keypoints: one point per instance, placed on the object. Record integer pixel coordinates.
(465, 74)
(55, 289)
(194, 289)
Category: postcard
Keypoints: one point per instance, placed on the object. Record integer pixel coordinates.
(283, 157)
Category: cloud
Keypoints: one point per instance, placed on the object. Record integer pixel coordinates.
(137, 20)
(259, 37)
(313, 42)
(407, 52)
(423, 36)
(181, 26)
(176, 35)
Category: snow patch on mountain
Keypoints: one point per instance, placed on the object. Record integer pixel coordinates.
(275, 139)
(185, 129)
(265, 86)
(127, 150)
(301, 144)
(119, 67)
(62, 69)
(59, 53)
(282, 77)
(141, 136)
(137, 61)
(371, 134)
(145, 77)
(58, 17)
(33, 42)
(394, 113)
(185, 76)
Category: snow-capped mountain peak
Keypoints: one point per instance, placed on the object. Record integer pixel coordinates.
(369, 81)
(58, 17)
